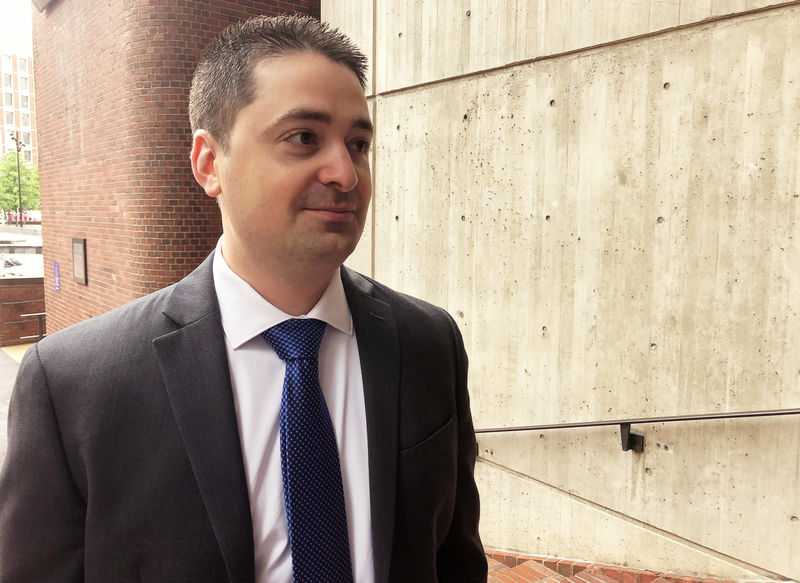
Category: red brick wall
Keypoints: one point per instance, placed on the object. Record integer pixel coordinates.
(19, 296)
(112, 87)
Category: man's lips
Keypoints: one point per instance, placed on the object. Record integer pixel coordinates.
(333, 213)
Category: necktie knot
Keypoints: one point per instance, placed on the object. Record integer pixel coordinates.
(296, 338)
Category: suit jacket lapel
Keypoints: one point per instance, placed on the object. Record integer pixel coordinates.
(195, 372)
(194, 366)
(379, 352)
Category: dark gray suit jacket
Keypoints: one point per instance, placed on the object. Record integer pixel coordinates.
(124, 461)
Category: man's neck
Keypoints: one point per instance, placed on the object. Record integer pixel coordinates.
(295, 297)
(292, 292)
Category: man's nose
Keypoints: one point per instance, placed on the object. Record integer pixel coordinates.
(338, 169)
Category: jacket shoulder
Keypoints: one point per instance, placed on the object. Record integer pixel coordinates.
(135, 324)
(120, 323)
(403, 304)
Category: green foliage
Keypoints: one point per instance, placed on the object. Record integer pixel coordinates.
(9, 198)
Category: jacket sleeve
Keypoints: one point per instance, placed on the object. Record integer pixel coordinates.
(42, 513)
(461, 558)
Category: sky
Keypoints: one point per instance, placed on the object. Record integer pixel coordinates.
(15, 22)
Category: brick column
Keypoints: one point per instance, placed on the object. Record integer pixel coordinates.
(112, 88)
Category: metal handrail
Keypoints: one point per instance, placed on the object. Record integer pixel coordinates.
(635, 442)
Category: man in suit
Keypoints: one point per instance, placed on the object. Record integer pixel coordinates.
(146, 444)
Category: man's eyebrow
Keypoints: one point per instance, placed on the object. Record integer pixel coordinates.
(304, 114)
(320, 116)
(364, 124)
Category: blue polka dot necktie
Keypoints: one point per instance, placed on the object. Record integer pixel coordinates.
(312, 478)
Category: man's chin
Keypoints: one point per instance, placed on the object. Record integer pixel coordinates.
(333, 248)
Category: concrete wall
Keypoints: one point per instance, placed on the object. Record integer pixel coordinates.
(606, 196)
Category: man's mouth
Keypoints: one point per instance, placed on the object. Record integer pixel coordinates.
(333, 213)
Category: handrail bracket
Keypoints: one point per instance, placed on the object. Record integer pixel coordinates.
(630, 441)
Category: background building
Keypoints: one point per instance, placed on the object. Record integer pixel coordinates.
(19, 101)
(121, 212)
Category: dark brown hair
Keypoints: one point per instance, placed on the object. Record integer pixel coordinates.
(223, 80)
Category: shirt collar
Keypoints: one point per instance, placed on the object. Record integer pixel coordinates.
(245, 314)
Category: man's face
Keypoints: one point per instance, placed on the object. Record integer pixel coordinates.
(294, 185)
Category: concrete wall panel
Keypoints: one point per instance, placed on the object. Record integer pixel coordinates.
(719, 486)
(626, 216)
(426, 41)
(615, 229)
(616, 233)
(535, 518)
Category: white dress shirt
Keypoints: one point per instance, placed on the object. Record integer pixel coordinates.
(257, 379)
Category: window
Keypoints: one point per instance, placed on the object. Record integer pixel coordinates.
(26, 120)
(22, 65)
(9, 118)
(7, 62)
(8, 99)
(26, 138)
(23, 101)
(8, 82)
(23, 84)
(26, 155)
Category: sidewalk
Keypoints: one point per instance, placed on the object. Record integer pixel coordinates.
(24, 248)
(25, 230)
(9, 363)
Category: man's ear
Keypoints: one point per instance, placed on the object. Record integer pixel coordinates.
(204, 162)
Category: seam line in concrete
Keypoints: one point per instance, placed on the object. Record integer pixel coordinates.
(627, 39)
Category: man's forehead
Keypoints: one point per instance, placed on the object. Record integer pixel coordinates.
(271, 66)
(297, 82)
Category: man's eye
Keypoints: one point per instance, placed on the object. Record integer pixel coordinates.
(360, 146)
(303, 139)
